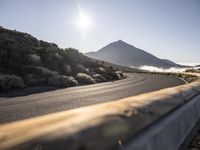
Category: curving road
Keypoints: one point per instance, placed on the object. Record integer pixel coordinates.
(21, 107)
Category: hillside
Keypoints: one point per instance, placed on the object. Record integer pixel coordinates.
(26, 61)
(122, 53)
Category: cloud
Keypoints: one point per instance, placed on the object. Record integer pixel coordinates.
(156, 69)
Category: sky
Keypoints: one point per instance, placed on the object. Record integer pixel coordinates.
(168, 29)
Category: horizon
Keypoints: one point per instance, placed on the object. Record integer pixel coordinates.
(89, 26)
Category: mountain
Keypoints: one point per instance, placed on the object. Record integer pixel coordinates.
(173, 63)
(122, 53)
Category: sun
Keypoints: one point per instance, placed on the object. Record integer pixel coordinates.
(84, 21)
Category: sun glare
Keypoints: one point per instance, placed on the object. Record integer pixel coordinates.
(84, 21)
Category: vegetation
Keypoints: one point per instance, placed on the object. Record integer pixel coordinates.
(193, 70)
(37, 62)
(62, 81)
(8, 82)
(188, 78)
(85, 78)
(99, 78)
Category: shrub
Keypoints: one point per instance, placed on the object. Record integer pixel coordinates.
(108, 73)
(101, 70)
(33, 59)
(120, 73)
(99, 78)
(59, 57)
(67, 69)
(8, 82)
(193, 70)
(39, 71)
(38, 75)
(62, 81)
(85, 79)
(46, 72)
(81, 68)
(118, 76)
(32, 79)
(114, 76)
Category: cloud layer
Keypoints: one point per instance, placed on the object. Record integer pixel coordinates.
(156, 69)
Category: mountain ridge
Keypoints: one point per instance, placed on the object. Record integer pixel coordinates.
(123, 53)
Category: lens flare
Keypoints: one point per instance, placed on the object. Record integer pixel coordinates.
(84, 21)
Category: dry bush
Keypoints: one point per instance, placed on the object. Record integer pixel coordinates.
(33, 79)
(33, 59)
(85, 78)
(81, 68)
(108, 73)
(38, 75)
(67, 69)
(8, 82)
(193, 70)
(99, 78)
(62, 81)
(46, 72)
(30, 79)
(121, 74)
(101, 70)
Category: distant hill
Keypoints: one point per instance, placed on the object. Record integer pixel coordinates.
(26, 61)
(122, 53)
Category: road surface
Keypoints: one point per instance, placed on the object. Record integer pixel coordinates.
(22, 107)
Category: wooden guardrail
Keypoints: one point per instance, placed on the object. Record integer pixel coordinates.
(104, 126)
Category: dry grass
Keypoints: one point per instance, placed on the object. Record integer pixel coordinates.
(188, 78)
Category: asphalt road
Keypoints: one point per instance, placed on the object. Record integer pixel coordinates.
(22, 107)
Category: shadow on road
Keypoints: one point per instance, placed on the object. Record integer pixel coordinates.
(26, 91)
